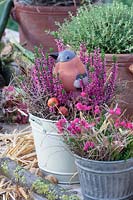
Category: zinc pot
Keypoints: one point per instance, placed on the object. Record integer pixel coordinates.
(52, 153)
(105, 180)
(125, 80)
(33, 21)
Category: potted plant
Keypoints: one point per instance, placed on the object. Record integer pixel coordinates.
(48, 101)
(102, 143)
(41, 16)
(109, 27)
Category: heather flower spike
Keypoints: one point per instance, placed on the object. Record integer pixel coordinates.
(60, 45)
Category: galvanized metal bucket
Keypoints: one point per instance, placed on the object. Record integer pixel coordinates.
(111, 180)
(53, 155)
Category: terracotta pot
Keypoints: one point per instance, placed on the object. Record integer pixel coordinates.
(125, 77)
(34, 20)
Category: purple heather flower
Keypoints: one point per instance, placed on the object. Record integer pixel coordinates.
(83, 54)
(76, 120)
(83, 94)
(88, 145)
(123, 124)
(85, 124)
(129, 125)
(60, 45)
(97, 110)
(9, 88)
(61, 125)
(116, 111)
(89, 108)
(111, 111)
(81, 107)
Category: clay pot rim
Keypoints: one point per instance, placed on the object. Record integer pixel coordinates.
(39, 9)
(120, 58)
(119, 54)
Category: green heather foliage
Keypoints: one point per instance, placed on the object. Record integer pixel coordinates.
(127, 2)
(108, 26)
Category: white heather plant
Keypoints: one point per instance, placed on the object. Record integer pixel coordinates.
(107, 26)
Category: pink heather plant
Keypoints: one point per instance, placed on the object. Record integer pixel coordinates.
(98, 134)
(40, 85)
(101, 85)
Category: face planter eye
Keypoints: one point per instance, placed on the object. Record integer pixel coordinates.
(67, 57)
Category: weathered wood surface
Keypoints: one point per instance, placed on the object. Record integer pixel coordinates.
(35, 196)
(23, 177)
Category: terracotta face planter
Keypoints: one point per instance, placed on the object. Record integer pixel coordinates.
(125, 77)
(34, 20)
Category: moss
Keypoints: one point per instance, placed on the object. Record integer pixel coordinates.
(4, 167)
(39, 185)
(74, 197)
(19, 177)
(42, 188)
(51, 196)
(23, 179)
(65, 197)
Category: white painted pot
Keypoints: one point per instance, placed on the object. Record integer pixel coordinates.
(53, 155)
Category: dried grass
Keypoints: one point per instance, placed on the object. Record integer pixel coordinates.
(19, 146)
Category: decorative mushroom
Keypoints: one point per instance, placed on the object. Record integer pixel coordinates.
(131, 68)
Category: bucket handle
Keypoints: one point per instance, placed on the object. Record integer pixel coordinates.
(37, 121)
(39, 124)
